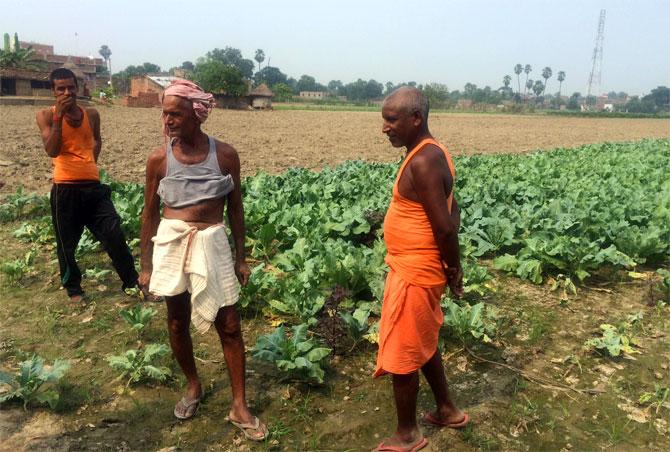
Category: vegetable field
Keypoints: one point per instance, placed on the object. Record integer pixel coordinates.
(559, 343)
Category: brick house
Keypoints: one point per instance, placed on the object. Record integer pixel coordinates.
(146, 90)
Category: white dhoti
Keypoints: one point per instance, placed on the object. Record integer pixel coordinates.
(186, 259)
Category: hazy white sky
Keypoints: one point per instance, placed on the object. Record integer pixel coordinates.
(448, 41)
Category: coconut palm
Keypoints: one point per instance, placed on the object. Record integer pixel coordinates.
(561, 77)
(527, 88)
(260, 57)
(527, 69)
(105, 52)
(546, 74)
(518, 69)
(506, 81)
(538, 89)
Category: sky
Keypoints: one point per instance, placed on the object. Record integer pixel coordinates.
(442, 41)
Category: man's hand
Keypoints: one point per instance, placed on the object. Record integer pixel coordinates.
(455, 280)
(143, 281)
(242, 272)
(63, 103)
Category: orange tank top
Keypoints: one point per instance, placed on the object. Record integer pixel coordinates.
(76, 162)
(411, 247)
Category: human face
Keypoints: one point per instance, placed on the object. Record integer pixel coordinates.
(65, 91)
(178, 117)
(400, 126)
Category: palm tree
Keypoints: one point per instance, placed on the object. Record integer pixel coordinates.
(527, 88)
(538, 88)
(506, 81)
(506, 89)
(106, 53)
(527, 69)
(518, 69)
(561, 77)
(546, 74)
(260, 57)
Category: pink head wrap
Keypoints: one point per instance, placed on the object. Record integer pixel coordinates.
(202, 102)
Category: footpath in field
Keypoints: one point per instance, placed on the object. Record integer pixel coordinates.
(559, 343)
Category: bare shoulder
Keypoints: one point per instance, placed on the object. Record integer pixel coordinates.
(428, 158)
(225, 150)
(157, 163)
(157, 156)
(41, 115)
(228, 158)
(92, 112)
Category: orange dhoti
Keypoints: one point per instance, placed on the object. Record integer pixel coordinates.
(409, 327)
(411, 313)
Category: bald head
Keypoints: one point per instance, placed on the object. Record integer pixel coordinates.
(409, 100)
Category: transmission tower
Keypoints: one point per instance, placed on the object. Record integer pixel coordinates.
(596, 68)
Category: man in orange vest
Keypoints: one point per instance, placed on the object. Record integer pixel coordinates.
(71, 136)
(421, 235)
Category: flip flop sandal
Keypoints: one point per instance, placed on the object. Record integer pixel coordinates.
(250, 428)
(188, 407)
(420, 444)
(430, 419)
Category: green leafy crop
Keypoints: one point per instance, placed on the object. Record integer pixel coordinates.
(142, 364)
(297, 357)
(29, 384)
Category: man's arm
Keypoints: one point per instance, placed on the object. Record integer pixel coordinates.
(235, 213)
(150, 214)
(51, 131)
(95, 127)
(432, 183)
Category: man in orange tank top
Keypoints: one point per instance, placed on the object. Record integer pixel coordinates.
(421, 235)
(71, 136)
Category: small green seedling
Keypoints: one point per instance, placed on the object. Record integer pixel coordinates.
(138, 317)
(139, 365)
(28, 384)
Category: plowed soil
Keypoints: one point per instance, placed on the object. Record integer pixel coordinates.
(276, 140)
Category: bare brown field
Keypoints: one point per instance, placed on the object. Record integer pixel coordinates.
(276, 140)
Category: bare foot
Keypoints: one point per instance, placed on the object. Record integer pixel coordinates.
(77, 298)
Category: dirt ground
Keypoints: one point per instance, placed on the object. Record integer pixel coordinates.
(276, 140)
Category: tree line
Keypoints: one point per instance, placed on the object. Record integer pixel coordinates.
(227, 71)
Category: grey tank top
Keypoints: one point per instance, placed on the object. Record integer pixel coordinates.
(187, 185)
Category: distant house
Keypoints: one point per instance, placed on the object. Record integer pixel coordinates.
(464, 103)
(146, 90)
(261, 97)
(313, 94)
(24, 82)
(86, 67)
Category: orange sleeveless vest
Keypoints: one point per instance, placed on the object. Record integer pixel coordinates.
(411, 248)
(76, 161)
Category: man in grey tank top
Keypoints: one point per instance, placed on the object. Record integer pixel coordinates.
(185, 256)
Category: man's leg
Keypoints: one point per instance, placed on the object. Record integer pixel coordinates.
(105, 224)
(66, 211)
(227, 324)
(405, 391)
(447, 412)
(179, 320)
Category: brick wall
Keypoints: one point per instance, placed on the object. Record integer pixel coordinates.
(143, 100)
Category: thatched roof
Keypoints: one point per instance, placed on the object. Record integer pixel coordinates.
(24, 74)
(261, 91)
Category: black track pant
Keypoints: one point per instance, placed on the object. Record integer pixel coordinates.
(74, 206)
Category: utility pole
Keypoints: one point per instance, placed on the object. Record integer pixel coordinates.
(597, 60)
